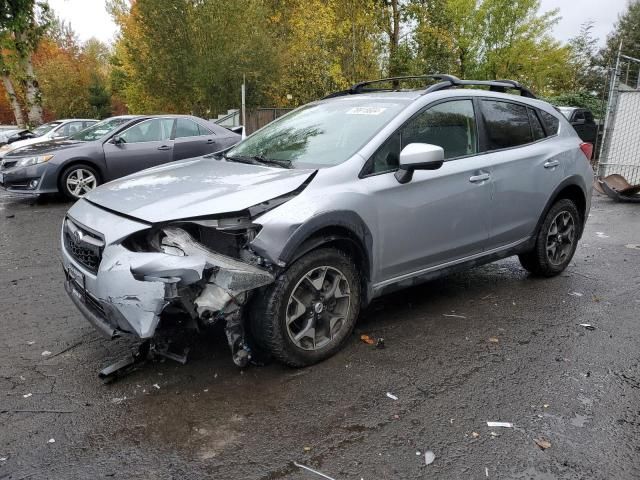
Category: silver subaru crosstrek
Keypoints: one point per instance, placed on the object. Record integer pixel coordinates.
(284, 237)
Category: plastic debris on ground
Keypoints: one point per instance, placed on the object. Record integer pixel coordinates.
(367, 339)
(575, 294)
(486, 472)
(429, 457)
(307, 449)
(30, 342)
(601, 235)
(27, 395)
(46, 353)
(475, 434)
(155, 385)
(633, 246)
(3, 459)
(309, 469)
(391, 396)
(543, 444)
(52, 440)
(453, 315)
(494, 340)
(588, 326)
(500, 424)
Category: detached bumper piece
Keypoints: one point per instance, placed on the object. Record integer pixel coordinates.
(618, 188)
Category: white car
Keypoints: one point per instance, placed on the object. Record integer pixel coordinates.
(49, 131)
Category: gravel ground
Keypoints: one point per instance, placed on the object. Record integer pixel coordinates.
(491, 344)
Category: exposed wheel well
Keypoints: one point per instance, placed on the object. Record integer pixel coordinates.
(343, 239)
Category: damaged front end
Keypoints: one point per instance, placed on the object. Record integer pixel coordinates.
(187, 274)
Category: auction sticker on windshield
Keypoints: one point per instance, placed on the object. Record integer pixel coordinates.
(366, 111)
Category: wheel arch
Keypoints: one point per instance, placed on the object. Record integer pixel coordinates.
(572, 188)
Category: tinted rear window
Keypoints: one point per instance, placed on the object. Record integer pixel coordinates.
(550, 122)
(507, 124)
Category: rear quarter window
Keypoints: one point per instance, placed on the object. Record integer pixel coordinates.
(550, 122)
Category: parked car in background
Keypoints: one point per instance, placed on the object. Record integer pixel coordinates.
(288, 234)
(110, 149)
(582, 121)
(47, 131)
(13, 133)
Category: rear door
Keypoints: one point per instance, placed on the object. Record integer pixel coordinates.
(441, 215)
(526, 168)
(193, 139)
(144, 145)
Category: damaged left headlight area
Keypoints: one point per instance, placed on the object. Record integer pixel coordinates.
(185, 275)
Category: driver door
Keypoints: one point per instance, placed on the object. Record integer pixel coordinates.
(144, 145)
(440, 216)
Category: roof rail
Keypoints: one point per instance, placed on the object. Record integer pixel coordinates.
(446, 81)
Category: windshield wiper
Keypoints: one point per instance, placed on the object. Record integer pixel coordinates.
(260, 160)
(272, 161)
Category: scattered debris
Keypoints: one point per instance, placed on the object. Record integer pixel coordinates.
(380, 343)
(392, 396)
(633, 246)
(429, 457)
(3, 459)
(486, 471)
(367, 339)
(31, 342)
(27, 395)
(46, 353)
(601, 235)
(575, 294)
(543, 444)
(494, 434)
(307, 449)
(418, 454)
(155, 385)
(618, 188)
(475, 434)
(453, 316)
(309, 469)
(588, 326)
(118, 400)
(546, 405)
(52, 440)
(500, 424)
(494, 339)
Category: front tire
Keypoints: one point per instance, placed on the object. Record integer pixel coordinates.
(556, 241)
(308, 313)
(78, 180)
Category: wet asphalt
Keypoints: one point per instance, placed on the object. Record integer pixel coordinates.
(492, 344)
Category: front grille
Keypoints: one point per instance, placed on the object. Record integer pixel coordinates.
(85, 247)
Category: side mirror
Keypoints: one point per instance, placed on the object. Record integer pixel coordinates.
(117, 140)
(418, 156)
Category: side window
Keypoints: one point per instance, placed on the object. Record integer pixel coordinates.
(536, 126)
(450, 125)
(507, 124)
(204, 130)
(155, 130)
(578, 116)
(550, 122)
(187, 128)
(588, 116)
(69, 129)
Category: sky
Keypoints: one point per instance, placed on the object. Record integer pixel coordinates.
(90, 19)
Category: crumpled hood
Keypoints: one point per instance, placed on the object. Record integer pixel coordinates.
(195, 188)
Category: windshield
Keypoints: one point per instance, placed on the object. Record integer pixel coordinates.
(100, 129)
(45, 128)
(319, 135)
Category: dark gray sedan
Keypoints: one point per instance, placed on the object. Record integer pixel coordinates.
(110, 149)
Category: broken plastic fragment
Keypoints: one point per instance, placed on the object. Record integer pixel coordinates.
(155, 385)
(429, 457)
(475, 434)
(27, 395)
(46, 353)
(575, 294)
(392, 396)
(543, 444)
(588, 326)
(500, 424)
(453, 315)
(52, 440)
(494, 340)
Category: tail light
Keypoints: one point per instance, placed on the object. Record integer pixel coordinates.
(587, 149)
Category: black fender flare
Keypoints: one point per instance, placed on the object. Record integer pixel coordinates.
(572, 181)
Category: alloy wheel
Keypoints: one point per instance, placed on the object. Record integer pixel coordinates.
(80, 182)
(560, 238)
(318, 308)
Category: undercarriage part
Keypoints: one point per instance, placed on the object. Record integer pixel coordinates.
(147, 350)
(235, 332)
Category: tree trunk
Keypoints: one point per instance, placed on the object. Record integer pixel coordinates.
(13, 98)
(33, 96)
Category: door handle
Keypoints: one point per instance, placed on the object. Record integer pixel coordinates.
(479, 178)
(164, 147)
(551, 164)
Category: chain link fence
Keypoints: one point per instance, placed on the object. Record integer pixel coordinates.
(621, 143)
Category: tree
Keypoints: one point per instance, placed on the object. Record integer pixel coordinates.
(627, 32)
(22, 25)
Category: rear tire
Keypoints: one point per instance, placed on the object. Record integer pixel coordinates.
(78, 180)
(556, 241)
(308, 313)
